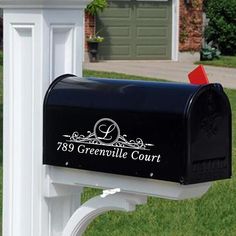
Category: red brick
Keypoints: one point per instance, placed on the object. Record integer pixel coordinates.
(89, 27)
(191, 25)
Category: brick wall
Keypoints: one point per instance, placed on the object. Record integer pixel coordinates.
(191, 24)
(89, 27)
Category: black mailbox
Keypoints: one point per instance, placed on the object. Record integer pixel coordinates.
(166, 131)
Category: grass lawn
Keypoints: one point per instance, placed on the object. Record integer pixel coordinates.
(212, 215)
(224, 61)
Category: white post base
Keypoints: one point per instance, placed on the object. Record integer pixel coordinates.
(108, 201)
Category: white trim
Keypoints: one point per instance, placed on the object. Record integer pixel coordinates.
(175, 31)
(83, 58)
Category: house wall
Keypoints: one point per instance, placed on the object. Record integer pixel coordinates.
(191, 25)
(190, 31)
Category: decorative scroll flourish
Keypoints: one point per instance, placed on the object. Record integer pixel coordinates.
(79, 138)
(107, 133)
(122, 141)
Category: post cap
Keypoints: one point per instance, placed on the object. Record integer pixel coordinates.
(69, 4)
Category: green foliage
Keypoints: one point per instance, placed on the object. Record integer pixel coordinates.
(222, 25)
(223, 61)
(209, 53)
(95, 6)
(95, 39)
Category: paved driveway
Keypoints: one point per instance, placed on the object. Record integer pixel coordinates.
(169, 70)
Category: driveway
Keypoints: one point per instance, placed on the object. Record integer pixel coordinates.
(168, 70)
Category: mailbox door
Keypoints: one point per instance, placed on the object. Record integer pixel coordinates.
(209, 136)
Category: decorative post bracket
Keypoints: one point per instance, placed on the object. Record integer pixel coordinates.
(108, 201)
(131, 192)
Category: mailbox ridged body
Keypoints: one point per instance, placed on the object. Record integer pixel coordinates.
(165, 131)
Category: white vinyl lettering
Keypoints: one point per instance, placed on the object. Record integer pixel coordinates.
(136, 155)
(65, 147)
(107, 141)
(106, 131)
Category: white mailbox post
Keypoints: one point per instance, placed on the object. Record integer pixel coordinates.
(42, 40)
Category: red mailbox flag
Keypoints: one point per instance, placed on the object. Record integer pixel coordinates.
(198, 76)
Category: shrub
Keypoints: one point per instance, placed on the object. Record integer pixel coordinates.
(222, 24)
(95, 6)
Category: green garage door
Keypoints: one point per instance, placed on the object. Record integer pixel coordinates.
(136, 30)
